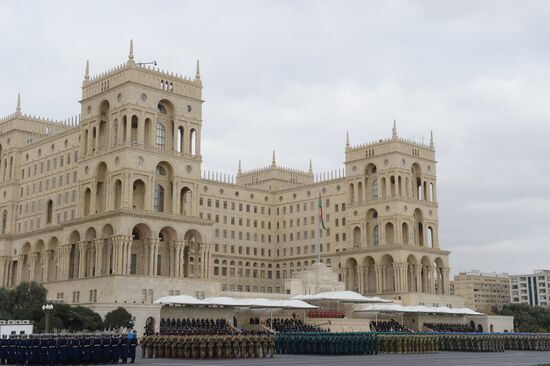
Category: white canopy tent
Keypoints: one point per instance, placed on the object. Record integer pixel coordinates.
(342, 296)
(186, 300)
(396, 308)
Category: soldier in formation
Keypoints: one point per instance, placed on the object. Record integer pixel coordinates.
(208, 346)
(63, 349)
(327, 343)
(493, 342)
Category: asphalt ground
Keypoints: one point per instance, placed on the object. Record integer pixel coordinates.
(508, 358)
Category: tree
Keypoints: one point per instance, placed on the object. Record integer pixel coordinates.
(78, 318)
(6, 303)
(118, 318)
(528, 318)
(27, 294)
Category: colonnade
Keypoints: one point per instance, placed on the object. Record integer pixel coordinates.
(116, 255)
(397, 278)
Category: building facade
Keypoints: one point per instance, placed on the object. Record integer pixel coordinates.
(112, 206)
(483, 291)
(531, 289)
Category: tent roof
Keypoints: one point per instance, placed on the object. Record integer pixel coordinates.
(343, 296)
(234, 302)
(180, 300)
(416, 309)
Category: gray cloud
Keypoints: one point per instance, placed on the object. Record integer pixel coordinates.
(296, 75)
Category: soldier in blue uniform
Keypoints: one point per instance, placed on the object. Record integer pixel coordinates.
(53, 357)
(124, 349)
(106, 348)
(115, 348)
(133, 342)
(4, 349)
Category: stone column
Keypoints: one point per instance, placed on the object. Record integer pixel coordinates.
(379, 283)
(418, 270)
(3, 270)
(128, 136)
(32, 267)
(175, 138)
(99, 244)
(81, 259)
(19, 275)
(198, 142)
(445, 281)
(116, 254)
(45, 265)
(129, 241)
(141, 131)
(360, 279)
(396, 277)
(183, 263)
(153, 253)
(155, 256)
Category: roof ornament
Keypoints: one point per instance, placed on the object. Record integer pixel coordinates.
(273, 161)
(394, 129)
(347, 138)
(18, 108)
(198, 72)
(131, 54)
(87, 72)
(239, 171)
(310, 166)
(431, 139)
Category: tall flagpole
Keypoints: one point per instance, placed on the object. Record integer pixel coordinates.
(319, 203)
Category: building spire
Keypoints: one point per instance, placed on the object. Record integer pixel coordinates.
(87, 72)
(18, 108)
(273, 161)
(310, 166)
(131, 54)
(347, 138)
(394, 130)
(198, 72)
(431, 139)
(239, 171)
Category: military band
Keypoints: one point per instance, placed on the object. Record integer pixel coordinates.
(68, 349)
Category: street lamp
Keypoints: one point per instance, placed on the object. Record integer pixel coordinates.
(47, 309)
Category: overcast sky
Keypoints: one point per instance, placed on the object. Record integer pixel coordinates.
(294, 76)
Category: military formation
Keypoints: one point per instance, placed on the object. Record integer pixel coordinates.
(68, 349)
(322, 343)
(395, 342)
(493, 342)
(207, 346)
(408, 343)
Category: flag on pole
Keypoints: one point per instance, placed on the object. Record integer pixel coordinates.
(321, 220)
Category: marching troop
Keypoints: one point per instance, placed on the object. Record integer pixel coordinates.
(67, 349)
(208, 346)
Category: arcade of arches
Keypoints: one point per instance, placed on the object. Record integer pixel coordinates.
(386, 276)
(104, 253)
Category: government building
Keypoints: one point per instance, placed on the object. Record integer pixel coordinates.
(113, 207)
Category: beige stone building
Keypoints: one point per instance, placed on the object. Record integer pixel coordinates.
(112, 206)
(483, 291)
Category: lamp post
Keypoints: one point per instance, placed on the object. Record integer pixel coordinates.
(47, 309)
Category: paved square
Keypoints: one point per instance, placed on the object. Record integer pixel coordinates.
(510, 358)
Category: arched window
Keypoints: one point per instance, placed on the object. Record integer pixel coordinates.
(375, 189)
(161, 136)
(160, 170)
(4, 221)
(376, 235)
(49, 212)
(161, 108)
(430, 237)
(159, 198)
